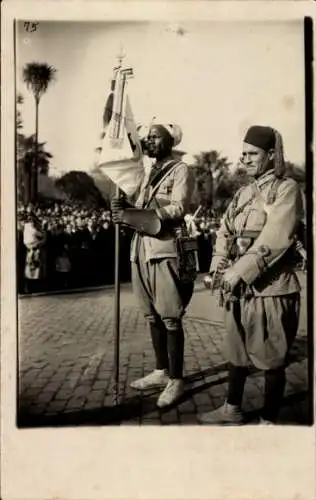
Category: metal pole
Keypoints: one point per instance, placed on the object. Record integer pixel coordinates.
(117, 306)
(117, 133)
(117, 278)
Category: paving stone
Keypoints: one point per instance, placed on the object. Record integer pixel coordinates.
(187, 406)
(45, 397)
(32, 392)
(56, 406)
(99, 385)
(37, 410)
(96, 396)
(201, 399)
(250, 403)
(169, 418)
(219, 390)
(75, 403)
(53, 386)
(81, 391)
(204, 408)
(188, 418)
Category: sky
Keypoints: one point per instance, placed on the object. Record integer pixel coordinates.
(213, 79)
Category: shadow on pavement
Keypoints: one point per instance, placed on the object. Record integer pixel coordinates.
(209, 372)
(295, 411)
(130, 408)
(299, 350)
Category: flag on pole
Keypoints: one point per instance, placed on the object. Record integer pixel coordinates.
(120, 154)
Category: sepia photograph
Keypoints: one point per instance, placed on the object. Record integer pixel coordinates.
(161, 212)
(157, 336)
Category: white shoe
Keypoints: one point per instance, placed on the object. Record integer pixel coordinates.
(157, 378)
(173, 391)
(224, 415)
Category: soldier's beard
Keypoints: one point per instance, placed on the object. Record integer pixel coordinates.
(159, 153)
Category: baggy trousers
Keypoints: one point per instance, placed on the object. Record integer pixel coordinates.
(163, 298)
(260, 332)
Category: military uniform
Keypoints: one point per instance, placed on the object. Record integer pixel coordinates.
(252, 267)
(155, 272)
(261, 327)
(163, 265)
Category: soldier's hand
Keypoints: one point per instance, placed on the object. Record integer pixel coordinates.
(230, 280)
(118, 204)
(208, 281)
(117, 207)
(223, 264)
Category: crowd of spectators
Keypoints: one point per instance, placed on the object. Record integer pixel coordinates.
(77, 248)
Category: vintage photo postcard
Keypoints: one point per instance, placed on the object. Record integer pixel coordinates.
(157, 251)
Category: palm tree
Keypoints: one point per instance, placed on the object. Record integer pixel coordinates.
(26, 154)
(25, 164)
(209, 168)
(37, 77)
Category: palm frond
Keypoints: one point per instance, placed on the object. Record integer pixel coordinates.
(37, 77)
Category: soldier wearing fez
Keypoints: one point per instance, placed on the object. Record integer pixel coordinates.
(253, 265)
(163, 264)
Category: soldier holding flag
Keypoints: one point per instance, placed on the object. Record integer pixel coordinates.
(162, 256)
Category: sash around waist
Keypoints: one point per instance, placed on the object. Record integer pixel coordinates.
(248, 234)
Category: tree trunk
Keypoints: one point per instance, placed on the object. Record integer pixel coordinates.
(34, 172)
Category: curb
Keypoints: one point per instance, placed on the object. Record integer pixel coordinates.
(69, 292)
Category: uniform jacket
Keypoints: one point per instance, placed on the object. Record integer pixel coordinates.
(171, 201)
(264, 265)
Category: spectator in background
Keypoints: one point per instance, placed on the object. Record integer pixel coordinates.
(34, 239)
(63, 268)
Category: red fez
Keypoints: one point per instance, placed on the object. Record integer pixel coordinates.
(261, 137)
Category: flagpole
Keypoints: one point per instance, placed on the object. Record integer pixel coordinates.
(117, 284)
(114, 117)
(117, 307)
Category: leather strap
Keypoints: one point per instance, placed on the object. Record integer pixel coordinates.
(157, 179)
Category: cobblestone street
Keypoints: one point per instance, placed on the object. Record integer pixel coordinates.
(66, 360)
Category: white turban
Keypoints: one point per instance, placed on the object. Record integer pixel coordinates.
(172, 128)
(175, 132)
(142, 131)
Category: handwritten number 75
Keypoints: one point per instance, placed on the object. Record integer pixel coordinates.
(30, 27)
